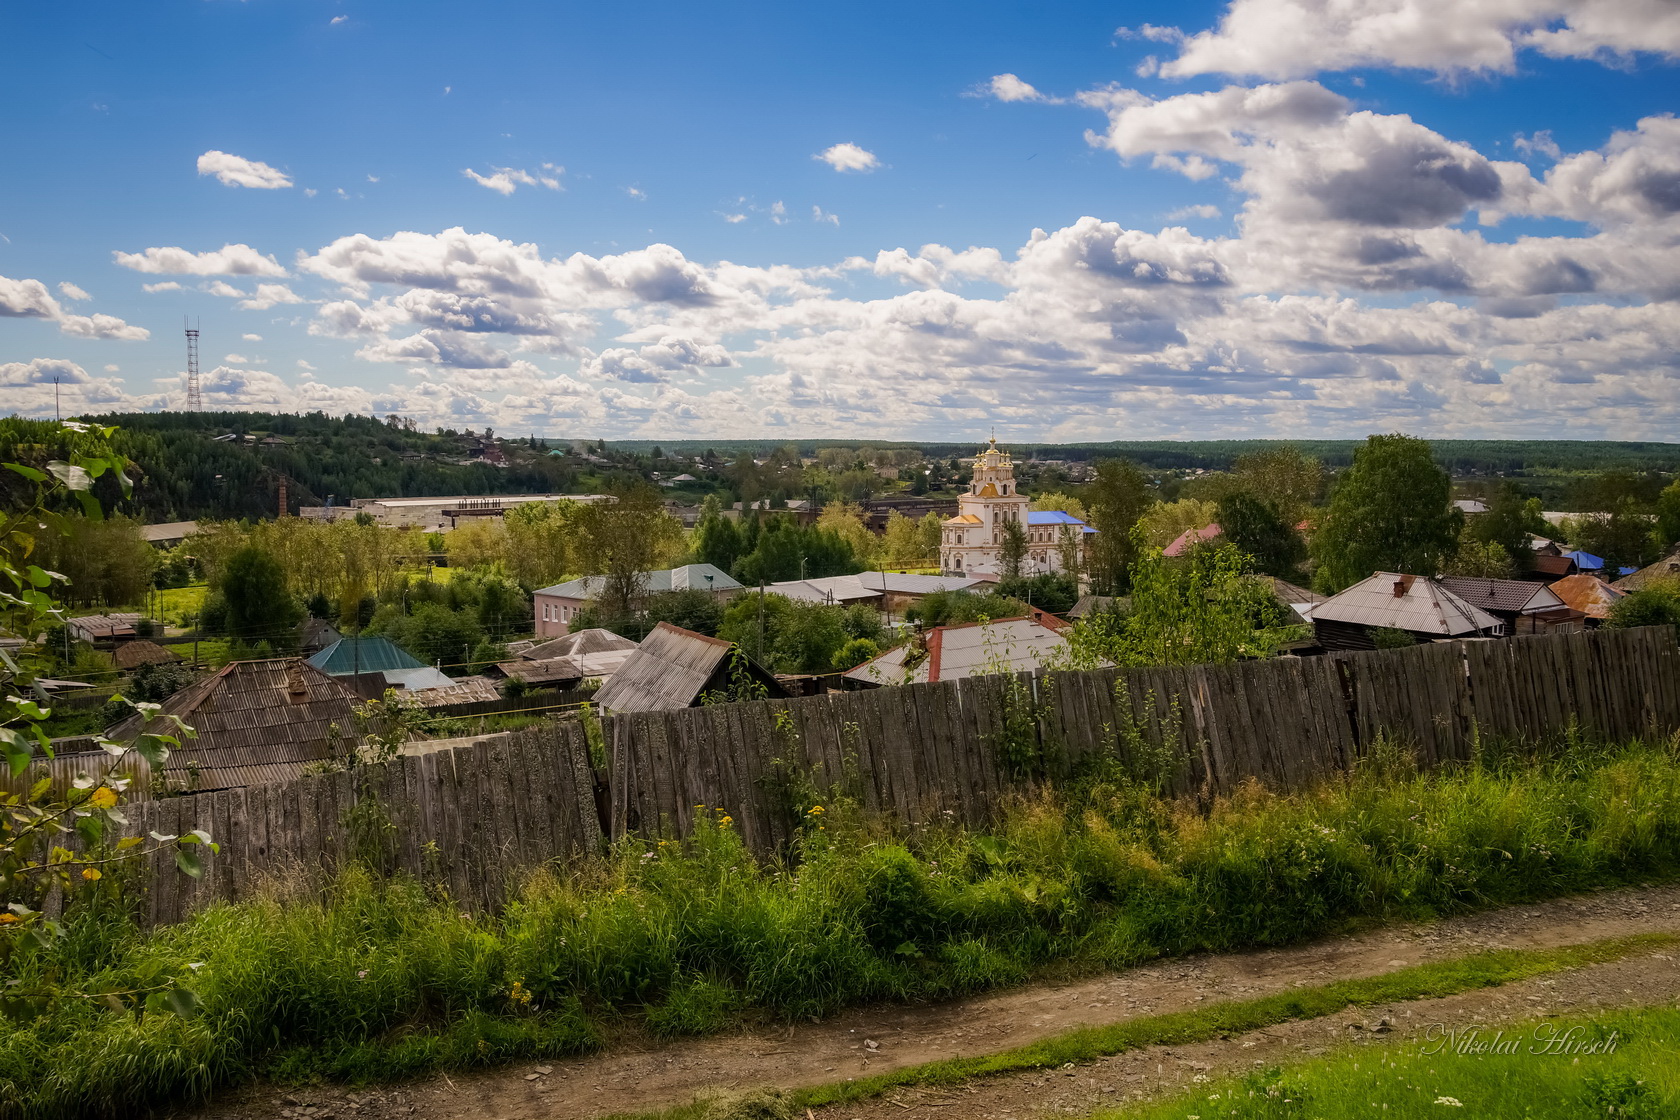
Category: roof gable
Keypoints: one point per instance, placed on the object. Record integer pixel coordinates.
(1404, 602)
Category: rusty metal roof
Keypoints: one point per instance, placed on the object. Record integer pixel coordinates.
(257, 722)
(1588, 594)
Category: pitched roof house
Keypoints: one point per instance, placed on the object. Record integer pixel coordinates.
(554, 607)
(256, 722)
(1390, 600)
(1006, 645)
(675, 668)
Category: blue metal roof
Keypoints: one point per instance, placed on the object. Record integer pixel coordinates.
(1051, 517)
(1586, 561)
(367, 655)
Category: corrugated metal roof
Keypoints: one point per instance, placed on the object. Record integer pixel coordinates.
(1587, 594)
(1666, 568)
(670, 669)
(593, 640)
(1292, 594)
(1422, 606)
(130, 655)
(1052, 517)
(467, 690)
(545, 670)
(963, 519)
(98, 627)
(825, 589)
(970, 649)
(1586, 561)
(348, 656)
(901, 583)
(1517, 596)
(257, 722)
(168, 531)
(688, 577)
(415, 680)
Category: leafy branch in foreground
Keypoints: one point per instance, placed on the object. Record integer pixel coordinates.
(58, 838)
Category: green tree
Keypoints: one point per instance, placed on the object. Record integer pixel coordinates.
(1391, 511)
(1657, 605)
(1481, 559)
(1012, 550)
(1667, 528)
(1115, 499)
(1283, 477)
(259, 608)
(690, 608)
(624, 539)
(1201, 609)
(1507, 523)
(1622, 536)
(1048, 591)
(717, 540)
(1258, 529)
(797, 637)
(948, 608)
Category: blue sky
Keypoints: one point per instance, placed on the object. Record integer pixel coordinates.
(1266, 218)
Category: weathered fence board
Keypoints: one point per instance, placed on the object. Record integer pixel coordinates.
(924, 749)
(471, 818)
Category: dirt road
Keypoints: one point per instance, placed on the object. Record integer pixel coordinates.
(640, 1076)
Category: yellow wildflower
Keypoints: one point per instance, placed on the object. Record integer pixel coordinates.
(91, 874)
(103, 798)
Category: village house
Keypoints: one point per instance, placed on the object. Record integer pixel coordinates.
(970, 649)
(971, 543)
(555, 607)
(1588, 596)
(1417, 606)
(373, 665)
(1524, 606)
(255, 722)
(888, 592)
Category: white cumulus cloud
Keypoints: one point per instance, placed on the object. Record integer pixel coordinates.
(506, 180)
(1297, 38)
(229, 260)
(237, 171)
(30, 299)
(848, 157)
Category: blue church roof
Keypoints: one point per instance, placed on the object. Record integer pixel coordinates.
(1055, 517)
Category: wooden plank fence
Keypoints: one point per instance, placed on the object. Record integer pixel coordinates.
(931, 750)
(473, 817)
(470, 818)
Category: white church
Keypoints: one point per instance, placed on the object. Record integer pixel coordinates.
(971, 543)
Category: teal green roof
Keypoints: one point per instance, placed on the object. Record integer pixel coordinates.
(366, 655)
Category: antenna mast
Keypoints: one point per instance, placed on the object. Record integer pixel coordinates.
(195, 402)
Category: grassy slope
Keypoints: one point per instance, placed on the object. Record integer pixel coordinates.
(1639, 1080)
(384, 979)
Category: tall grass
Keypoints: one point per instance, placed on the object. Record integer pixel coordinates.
(387, 978)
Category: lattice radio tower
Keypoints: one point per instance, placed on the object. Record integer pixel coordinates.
(195, 401)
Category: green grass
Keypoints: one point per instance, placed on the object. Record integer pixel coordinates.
(1639, 1080)
(1429, 981)
(376, 979)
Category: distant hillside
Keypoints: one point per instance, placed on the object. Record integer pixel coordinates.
(1460, 456)
(185, 472)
